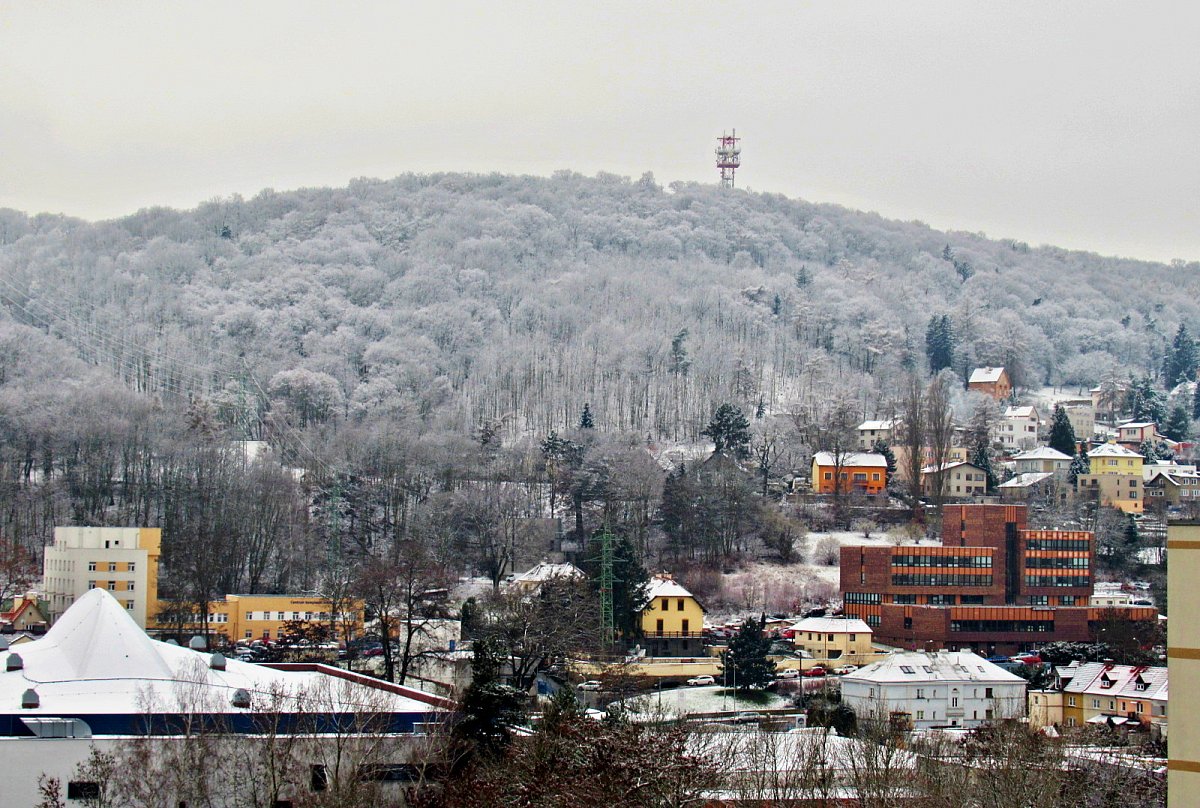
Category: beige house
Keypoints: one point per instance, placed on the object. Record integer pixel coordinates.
(831, 638)
(959, 480)
(1041, 459)
(871, 431)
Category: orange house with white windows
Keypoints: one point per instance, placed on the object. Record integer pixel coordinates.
(859, 471)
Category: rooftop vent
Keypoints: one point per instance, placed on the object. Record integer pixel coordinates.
(241, 698)
(172, 641)
(14, 663)
(217, 662)
(197, 643)
(3, 644)
(29, 699)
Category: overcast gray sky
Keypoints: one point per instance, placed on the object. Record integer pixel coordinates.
(1071, 123)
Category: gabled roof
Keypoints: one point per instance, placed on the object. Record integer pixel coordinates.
(663, 585)
(852, 459)
(1090, 678)
(1020, 412)
(1136, 425)
(1042, 453)
(985, 375)
(948, 466)
(1027, 479)
(876, 425)
(1112, 450)
(545, 571)
(944, 666)
(832, 625)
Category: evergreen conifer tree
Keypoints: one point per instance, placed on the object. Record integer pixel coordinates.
(1149, 451)
(1079, 465)
(730, 432)
(939, 343)
(880, 447)
(585, 418)
(1062, 434)
(981, 456)
(1178, 424)
(1181, 358)
(745, 665)
(1145, 402)
(1196, 402)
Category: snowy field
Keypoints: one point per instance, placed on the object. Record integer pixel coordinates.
(713, 699)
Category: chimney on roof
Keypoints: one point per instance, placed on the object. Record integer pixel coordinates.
(30, 700)
(14, 663)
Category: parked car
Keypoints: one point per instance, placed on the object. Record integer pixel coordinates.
(816, 670)
(747, 717)
(842, 671)
(788, 673)
(591, 684)
(697, 681)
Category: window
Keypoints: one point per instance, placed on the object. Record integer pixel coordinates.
(308, 615)
(679, 605)
(851, 638)
(954, 701)
(249, 616)
(112, 586)
(684, 627)
(248, 634)
(278, 615)
(920, 715)
(91, 584)
(828, 475)
(132, 567)
(112, 566)
(920, 692)
(1095, 704)
(1070, 701)
(91, 566)
(906, 669)
(129, 605)
(129, 586)
(659, 627)
(987, 693)
(988, 714)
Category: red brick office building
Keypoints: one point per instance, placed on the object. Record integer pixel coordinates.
(993, 586)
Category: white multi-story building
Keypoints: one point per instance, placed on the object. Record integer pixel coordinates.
(123, 560)
(1018, 429)
(871, 431)
(938, 689)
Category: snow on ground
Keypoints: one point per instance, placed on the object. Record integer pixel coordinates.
(762, 586)
(712, 699)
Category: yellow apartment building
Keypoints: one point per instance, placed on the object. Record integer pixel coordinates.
(672, 619)
(1114, 478)
(262, 617)
(123, 560)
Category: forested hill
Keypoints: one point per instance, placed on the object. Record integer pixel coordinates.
(450, 301)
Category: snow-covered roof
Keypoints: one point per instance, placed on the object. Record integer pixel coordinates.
(1026, 480)
(1042, 453)
(663, 585)
(1136, 425)
(943, 666)
(876, 425)
(1020, 412)
(985, 375)
(852, 459)
(1091, 677)
(832, 625)
(947, 466)
(545, 570)
(95, 660)
(1112, 450)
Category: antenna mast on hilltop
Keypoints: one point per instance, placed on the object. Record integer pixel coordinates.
(729, 157)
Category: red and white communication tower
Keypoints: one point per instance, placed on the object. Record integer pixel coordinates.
(729, 157)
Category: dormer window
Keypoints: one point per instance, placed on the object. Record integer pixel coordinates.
(1105, 682)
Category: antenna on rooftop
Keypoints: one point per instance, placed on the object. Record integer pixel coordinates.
(729, 157)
